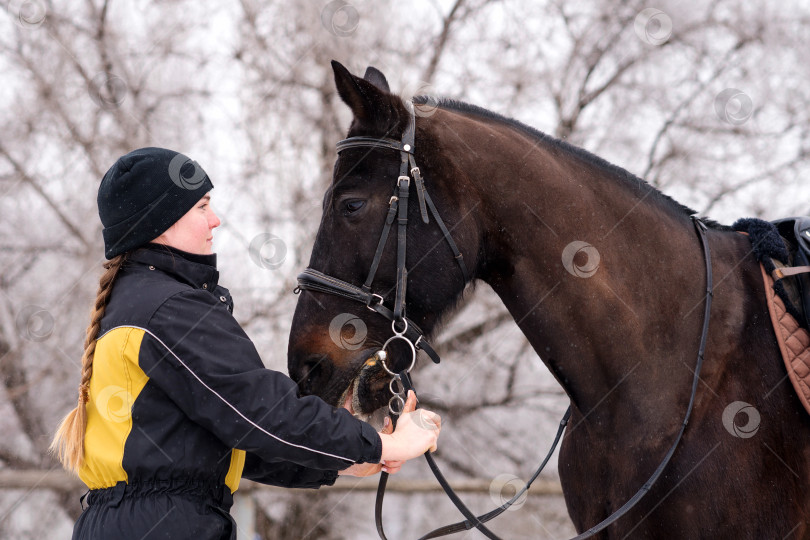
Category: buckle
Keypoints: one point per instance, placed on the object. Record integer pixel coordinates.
(369, 303)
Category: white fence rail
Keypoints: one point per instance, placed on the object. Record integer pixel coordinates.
(59, 480)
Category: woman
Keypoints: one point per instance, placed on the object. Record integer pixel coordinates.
(175, 405)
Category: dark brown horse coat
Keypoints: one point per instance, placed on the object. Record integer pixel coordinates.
(620, 333)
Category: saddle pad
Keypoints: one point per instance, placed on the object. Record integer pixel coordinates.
(794, 342)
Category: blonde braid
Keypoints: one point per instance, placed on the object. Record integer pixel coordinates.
(68, 442)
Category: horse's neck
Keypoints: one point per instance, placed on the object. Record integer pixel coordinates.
(608, 331)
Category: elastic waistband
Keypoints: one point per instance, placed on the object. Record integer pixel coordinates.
(196, 490)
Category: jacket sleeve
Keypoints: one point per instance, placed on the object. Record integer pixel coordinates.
(286, 474)
(196, 352)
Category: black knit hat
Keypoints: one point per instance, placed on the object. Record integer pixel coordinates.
(144, 193)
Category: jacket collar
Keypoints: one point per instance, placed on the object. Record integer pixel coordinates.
(199, 271)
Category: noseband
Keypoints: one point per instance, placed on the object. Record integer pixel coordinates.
(314, 280)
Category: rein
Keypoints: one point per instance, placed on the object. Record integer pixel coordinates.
(314, 280)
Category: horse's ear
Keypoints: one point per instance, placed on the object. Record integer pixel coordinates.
(362, 97)
(375, 77)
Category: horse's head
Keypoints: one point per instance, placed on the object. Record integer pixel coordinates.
(332, 336)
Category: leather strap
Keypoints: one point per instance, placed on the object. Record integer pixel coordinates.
(404, 183)
(483, 518)
(375, 263)
(317, 281)
(780, 273)
(420, 188)
(701, 229)
(456, 253)
(478, 521)
(370, 142)
(313, 280)
(471, 517)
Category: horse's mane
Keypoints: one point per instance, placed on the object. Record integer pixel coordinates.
(592, 159)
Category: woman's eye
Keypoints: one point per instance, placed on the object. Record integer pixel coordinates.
(354, 206)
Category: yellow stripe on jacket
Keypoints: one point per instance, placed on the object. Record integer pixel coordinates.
(114, 386)
(116, 382)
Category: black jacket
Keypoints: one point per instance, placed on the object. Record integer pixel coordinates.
(179, 398)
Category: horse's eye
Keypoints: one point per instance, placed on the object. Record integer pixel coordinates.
(353, 206)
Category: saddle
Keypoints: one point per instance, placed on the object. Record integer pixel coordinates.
(794, 342)
(795, 232)
(783, 250)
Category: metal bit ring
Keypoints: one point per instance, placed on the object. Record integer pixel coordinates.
(396, 398)
(413, 353)
(396, 380)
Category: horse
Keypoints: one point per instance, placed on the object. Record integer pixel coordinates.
(604, 275)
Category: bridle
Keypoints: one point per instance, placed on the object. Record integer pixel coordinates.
(404, 329)
(311, 279)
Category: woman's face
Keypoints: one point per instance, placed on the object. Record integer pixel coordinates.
(193, 232)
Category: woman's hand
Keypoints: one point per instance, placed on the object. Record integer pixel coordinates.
(368, 469)
(417, 432)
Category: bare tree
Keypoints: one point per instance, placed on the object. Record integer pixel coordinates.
(83, 89)
(705, 101)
